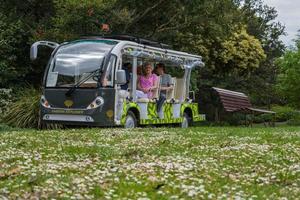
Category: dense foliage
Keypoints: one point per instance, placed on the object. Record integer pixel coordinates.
(289, 82)
(238, 39)
(6, 99)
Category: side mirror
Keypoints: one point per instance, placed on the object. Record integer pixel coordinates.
(121, 77)
(33, 51)
(34, 48)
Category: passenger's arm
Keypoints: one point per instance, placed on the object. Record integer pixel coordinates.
(165, 88)
(170, 86)
(155, 84)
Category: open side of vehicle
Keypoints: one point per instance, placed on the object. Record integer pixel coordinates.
(83, 79)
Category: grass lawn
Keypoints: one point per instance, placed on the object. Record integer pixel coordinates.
(161, 163)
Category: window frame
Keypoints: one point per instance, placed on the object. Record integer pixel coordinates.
(112, 72)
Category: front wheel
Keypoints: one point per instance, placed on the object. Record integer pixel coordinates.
(130, 121)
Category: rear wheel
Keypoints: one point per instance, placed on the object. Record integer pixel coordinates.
(131, 121)
(187, 121)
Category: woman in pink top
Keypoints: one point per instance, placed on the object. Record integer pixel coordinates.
(148, 82)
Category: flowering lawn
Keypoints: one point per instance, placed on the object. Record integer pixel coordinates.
(156, 163)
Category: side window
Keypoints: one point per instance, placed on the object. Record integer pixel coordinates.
(126, 64)
(108, 79)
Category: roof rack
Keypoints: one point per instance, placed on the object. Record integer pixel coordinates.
(133, 39)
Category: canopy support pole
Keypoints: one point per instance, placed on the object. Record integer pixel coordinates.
(134, 78)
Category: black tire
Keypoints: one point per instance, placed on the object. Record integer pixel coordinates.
(130, 121)
(187, 121)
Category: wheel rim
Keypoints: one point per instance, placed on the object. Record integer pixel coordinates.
(129, 122)
(185, 122)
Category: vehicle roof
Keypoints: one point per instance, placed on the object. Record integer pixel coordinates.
(150, 47)
(145, 43)
(135, 39)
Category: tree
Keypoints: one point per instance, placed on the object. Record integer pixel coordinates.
(18, 23)
(227, 34)
(261, 22)
(242, 52)
(288, 79)
(12, 35)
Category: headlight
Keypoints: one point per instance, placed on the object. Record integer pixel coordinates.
(96, 103)
(44, 102)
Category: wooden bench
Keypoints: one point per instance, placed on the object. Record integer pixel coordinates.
(237, 102)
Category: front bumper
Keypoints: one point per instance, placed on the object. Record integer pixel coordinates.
(68, 118)
(89, 117)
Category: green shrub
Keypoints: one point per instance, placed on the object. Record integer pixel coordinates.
(6, 98)
(262, 118)
(236, 119)
(295, 120)
(283, 113)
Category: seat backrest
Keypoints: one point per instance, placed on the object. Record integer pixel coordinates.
(170, 94)
(180, 89)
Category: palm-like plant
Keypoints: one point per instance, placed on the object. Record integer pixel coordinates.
(25, 112)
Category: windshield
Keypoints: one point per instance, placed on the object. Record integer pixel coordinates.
(76, 61)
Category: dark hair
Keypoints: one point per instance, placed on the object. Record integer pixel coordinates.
(161, 65)
(126, 65)
(144, 67)
(146, 64)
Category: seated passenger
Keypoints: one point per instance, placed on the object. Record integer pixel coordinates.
(147, 83)
(127, 68)
(165, 84)
(139, 70)
(155, 70)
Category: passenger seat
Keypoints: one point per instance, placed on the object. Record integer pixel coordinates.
(170, 96)
(180, 95)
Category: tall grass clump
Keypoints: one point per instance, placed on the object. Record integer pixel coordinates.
(24, 112)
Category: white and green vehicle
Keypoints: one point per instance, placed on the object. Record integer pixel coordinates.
(83, 79)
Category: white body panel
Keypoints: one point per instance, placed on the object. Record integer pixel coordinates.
(118, 50)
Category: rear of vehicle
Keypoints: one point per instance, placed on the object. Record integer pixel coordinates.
(178, 107)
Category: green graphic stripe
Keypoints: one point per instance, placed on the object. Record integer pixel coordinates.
(168, 111)
(152, 113)
(160, 121)
(199, 118)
